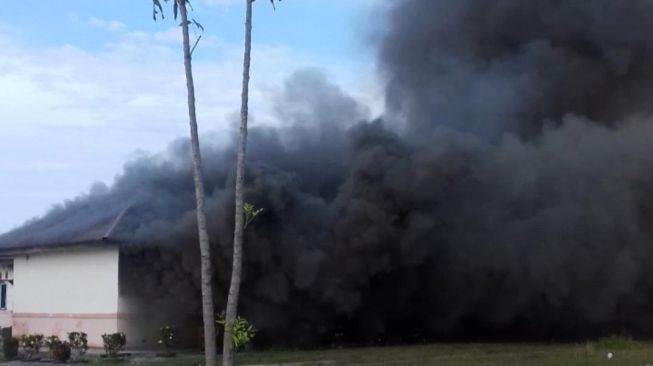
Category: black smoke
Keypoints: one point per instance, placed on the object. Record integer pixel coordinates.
(507, 191)
(489, 67)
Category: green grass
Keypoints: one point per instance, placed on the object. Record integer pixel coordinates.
(592, 353)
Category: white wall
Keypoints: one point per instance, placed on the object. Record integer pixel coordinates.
(73, 281)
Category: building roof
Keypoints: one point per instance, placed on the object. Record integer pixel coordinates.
(75, 224)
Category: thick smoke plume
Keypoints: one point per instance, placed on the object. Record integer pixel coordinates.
(508, 191)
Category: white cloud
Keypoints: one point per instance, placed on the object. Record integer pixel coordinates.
(70, 116)
(221, 2)
(108, 25)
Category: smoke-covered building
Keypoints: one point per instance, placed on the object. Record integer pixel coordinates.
(59, 276)
(506, 191)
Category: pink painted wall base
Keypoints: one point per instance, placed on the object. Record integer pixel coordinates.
(60, 324)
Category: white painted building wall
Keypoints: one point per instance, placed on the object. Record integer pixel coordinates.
(67, 281)
(66, 290)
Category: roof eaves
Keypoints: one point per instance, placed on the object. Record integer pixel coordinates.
(33, 249)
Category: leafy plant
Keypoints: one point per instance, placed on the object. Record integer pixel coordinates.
(51, 343)
(250, 212)
(241, 331)
(61, 351)
(78, 344)
(114, 343)
(167, 339)
(31, 344)
(9, 347)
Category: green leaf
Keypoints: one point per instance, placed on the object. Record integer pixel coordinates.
(157, 4)
(250, 212)
(198, 25)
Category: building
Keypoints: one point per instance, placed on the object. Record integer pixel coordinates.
(68, 273)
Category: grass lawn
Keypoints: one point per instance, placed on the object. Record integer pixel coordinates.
(630, 353)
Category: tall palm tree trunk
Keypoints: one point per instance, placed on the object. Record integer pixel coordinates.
(234, 288)
(208, 314)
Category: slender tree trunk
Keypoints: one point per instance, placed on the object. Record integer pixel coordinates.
(210, 342)
(234, 288)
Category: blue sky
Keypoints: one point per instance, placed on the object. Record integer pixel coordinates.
(85, 85)
(335, 30)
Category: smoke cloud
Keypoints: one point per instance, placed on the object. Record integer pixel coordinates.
(507, 192)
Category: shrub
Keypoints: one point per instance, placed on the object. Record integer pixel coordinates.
(167, 339)
(31, 344)
(78, 342)
(5, 332)
(10, 347)
(61, 351)
(241, 331)
(51, 342)
(114, 343)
